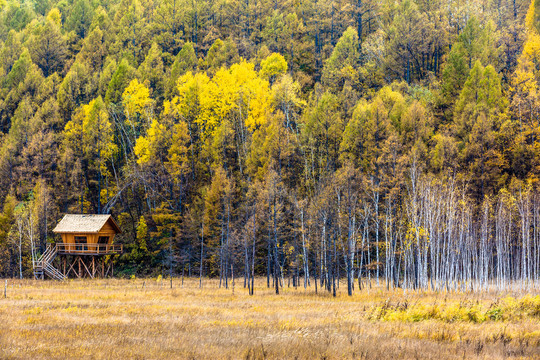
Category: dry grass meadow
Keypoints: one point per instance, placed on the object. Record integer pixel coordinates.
(104, 319)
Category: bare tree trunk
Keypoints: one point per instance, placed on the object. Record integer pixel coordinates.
(202, 256)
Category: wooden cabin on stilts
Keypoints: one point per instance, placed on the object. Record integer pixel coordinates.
(85, 250)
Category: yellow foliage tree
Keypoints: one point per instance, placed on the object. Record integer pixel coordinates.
(223, 111)
(153, 145)
(525, 98)
(137, 105)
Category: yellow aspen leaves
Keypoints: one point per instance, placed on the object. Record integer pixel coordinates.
(274, 65)
(237, 93)
(136, 98)
(147, 147)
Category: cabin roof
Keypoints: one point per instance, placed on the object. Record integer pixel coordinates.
(88, 223)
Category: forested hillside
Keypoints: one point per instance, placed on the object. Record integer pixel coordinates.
(312, 139)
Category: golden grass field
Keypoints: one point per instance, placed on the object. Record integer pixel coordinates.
(104, 319)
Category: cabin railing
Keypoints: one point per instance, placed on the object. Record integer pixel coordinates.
(89, 249)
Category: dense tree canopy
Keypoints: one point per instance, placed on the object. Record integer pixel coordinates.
(277, 138)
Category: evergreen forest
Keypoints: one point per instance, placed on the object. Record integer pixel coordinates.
(391, 142)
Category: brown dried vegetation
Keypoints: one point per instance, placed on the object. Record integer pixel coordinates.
(145, 319)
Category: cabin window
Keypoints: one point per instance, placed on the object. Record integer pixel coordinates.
(103, 240)
(80, 239)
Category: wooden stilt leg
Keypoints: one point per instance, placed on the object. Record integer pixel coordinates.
(72, 267)
(80, 269)
(87, 269)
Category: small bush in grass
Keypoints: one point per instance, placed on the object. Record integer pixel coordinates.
(494, 314)
(530, 305)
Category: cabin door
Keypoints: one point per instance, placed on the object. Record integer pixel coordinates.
(103, 242)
